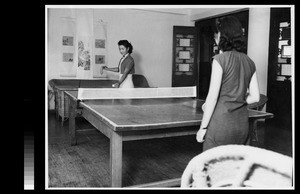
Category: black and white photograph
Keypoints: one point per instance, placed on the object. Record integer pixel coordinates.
(99, 43)
(67, 57)
(170, 97)
(67, 40)
(99, 59)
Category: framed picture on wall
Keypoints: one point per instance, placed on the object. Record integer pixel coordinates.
(184, 55)
(67, 57)
(67, 41)
(184, 42)
(286, 70)
(99, 43)
(99, 59)
(183, 67)
(286, 51)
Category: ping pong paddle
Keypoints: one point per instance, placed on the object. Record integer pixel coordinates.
(115, 85)
(101, 69)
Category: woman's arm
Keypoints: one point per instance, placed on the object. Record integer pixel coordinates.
(254, 95)
(211, 99)
(114, 69)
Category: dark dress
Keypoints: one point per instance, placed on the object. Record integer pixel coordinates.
(229, 123)
(128, 62)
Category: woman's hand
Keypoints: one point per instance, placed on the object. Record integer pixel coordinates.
(200, 135)
(101, 69)
(116, 85)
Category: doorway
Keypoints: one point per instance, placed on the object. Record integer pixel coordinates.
(207, 47)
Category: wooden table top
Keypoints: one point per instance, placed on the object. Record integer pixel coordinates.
(145, 114)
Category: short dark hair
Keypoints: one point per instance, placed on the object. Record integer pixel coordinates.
(126, 44)
(232, 36)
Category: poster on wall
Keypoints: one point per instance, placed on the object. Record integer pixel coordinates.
(100, 49)
(84, 55)
(68, 57)
(100, 43)
(68, 32)
(99, 59)
(68, 41)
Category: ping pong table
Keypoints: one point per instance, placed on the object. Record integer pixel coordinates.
(136, 119)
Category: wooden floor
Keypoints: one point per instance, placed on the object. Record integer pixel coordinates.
(144, 161)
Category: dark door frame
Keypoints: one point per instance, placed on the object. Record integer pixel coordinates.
(279, 92)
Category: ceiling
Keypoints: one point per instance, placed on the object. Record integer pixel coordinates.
(192, 10)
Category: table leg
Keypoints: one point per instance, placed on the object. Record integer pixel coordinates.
(116, 160)
(56, 104)
(249, 140)
(63, 108)
(252, 132)
(62, 120)
(72, 115)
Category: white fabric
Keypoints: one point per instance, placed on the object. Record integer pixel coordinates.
(127, 83)
(136, 93)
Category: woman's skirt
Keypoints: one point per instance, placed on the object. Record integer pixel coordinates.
(127, 83)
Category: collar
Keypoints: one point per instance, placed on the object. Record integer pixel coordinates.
(125, 56)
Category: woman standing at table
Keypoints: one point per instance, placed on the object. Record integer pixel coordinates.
(126, 66)
(233, 85)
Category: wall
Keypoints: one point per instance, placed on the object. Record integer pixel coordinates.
(151, 36)
(149, 32)
(258, 43)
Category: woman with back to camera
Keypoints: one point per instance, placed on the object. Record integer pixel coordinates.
(126, 66)
(233, 85)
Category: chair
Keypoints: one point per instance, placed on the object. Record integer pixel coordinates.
(260, 104)
(238, 166)
(257, 106)
(139, 81)
(50, 96)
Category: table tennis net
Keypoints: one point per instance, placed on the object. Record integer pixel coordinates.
(135, 93)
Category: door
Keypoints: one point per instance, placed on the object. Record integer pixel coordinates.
(207, 47)
(279, 68)
(184, 71)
